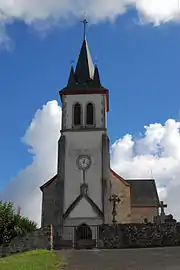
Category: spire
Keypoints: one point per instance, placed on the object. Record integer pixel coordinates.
(85, 68)
(72, 80)
(85, 75)
(96, 77)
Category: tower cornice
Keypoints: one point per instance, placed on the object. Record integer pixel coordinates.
(90, 91)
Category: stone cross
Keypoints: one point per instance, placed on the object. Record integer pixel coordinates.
(115, 200)
(162, 206)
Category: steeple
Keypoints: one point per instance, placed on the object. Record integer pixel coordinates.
(85, 68)
(85, 74)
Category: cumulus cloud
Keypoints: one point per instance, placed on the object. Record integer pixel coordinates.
(53, 11)
(155, 154)
(29, 11)
(5, 41)
(41, 137)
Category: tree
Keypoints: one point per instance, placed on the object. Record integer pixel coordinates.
(12, 224)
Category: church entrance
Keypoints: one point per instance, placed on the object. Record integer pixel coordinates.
(84, 237)
(83, 232)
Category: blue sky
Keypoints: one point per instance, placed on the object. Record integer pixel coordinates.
(138, 63)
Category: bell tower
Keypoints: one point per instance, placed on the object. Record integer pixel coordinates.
(83, 183)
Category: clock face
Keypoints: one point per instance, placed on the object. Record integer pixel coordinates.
(84, 162)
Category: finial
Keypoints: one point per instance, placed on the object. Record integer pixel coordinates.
(72, 62)
(96, 61)
(85, 22)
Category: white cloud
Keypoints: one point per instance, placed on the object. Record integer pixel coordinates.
(34, 11)
(42, 137)
(156, 153)
(29, 11)
(5, 41)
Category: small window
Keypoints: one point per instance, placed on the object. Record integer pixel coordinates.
(90, 114)
(77, 114)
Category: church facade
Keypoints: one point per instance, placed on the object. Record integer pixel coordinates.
(80, 192)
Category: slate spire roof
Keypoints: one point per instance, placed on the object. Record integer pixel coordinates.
(96, 76)
(85, 68)
(71, 80)
(85, 75)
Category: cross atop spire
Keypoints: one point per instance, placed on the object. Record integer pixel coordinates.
(85, 22)
(84, 74)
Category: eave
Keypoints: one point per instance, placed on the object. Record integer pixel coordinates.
(119, 178)
(48, 182)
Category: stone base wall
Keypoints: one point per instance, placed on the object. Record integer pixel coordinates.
(109, 237)
(139, 235)
(40, 239)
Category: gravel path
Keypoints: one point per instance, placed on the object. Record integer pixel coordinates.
(131, 259)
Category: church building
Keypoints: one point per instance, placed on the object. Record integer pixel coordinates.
(82, 190)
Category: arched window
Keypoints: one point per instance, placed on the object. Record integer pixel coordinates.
(77, 114)
(89, 114)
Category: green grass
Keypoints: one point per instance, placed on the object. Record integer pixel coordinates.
(31, 260)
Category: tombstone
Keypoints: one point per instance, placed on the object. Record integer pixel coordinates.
(170, 219)
(161, 218)
(145, 221)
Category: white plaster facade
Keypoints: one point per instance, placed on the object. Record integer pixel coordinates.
(99, 101)
(83, 210)
(83, 142)
(80, 143)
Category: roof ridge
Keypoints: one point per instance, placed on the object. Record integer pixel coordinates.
(48, 182)
(140, 179)
(119, 177)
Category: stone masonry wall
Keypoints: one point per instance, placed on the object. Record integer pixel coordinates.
(139, 235)
(138, 214)
(124, 207)
(40, 239)
(49, 207)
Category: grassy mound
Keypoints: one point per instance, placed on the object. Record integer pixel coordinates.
(31, 260)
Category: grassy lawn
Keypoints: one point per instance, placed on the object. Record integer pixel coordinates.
(31, 260)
